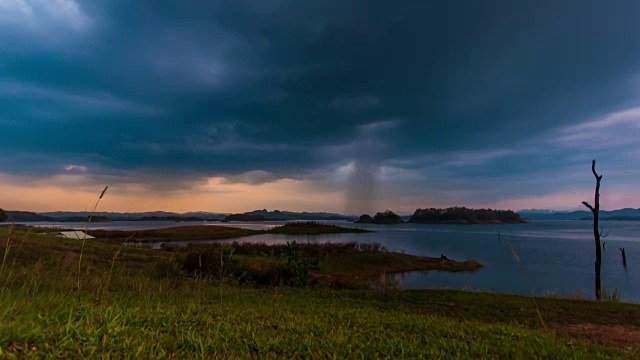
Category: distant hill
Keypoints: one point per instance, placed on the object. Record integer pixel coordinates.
(621, 214)
(101, 216)
(622, 218)
(244, 217)
(26, 216)
(288, 215)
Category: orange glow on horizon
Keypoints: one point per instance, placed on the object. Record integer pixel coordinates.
(214, 196)
(71, 193)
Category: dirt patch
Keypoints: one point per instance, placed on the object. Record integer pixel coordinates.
(624, 337)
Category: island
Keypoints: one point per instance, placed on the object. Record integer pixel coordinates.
(452, 215)
(462, 215)
(387, 217)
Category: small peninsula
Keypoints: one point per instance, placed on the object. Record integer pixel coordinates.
(216, 232)
(313, 228)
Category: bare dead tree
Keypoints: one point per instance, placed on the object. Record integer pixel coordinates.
(596, 234)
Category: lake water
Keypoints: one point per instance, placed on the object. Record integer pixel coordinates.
(555, 256)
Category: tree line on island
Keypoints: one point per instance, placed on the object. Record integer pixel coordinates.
(452, 215)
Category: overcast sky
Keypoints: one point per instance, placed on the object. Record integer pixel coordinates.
(344, 106)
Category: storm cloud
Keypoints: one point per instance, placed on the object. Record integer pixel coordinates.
(392, 103)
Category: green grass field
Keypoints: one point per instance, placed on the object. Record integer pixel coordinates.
(123, 303)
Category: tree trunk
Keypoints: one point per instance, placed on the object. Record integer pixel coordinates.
(596, 234)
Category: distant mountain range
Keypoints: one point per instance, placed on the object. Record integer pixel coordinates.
(621, 214)
(79, 216)
(265, 215)
(288, 215)
(20, 216)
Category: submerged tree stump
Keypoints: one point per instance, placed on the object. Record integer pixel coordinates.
(624, 257)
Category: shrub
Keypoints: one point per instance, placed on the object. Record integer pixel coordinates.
(288, 266)
(610, 297)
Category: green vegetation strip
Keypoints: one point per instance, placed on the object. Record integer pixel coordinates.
(311, 228)
(180, 233)
(338, 265)
(215, 232)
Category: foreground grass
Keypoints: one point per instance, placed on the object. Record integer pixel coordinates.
(205, 321)
(128, 308)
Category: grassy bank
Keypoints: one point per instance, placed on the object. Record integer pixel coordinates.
(121, 303)
(215, 232)
(338, 265)
(179, 233)
(313, 228)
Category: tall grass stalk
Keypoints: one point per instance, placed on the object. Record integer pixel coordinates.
(610, 296)
(105, 285)
(84, 238)
(15, 258)
(12, 229)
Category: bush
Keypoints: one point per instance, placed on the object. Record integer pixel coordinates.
(211, 261)
(293, 268)
(287, 267)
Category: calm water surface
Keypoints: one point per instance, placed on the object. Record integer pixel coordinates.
(554, 256)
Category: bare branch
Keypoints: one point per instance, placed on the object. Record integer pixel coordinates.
(605, 235)
(589, 206)
(593, 170)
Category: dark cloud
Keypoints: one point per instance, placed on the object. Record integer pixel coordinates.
(256, 91)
